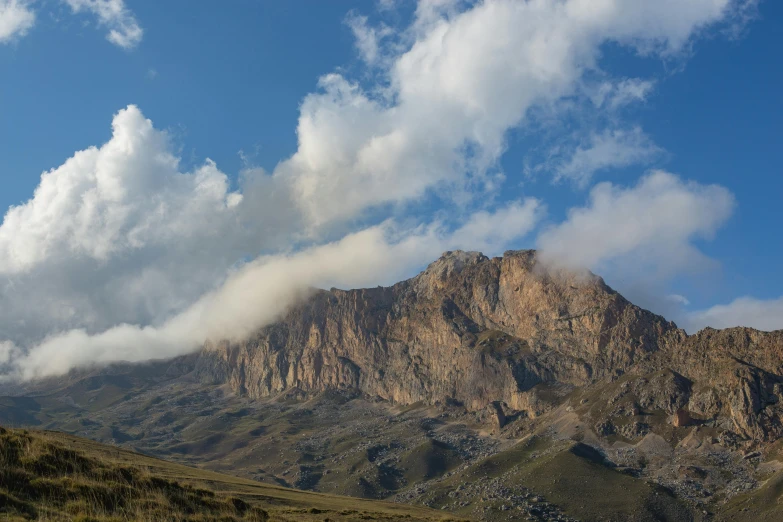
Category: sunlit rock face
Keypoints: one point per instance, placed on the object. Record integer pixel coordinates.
(474, 331)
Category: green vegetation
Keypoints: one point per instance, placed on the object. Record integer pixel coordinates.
(765, 503)
(572, 476)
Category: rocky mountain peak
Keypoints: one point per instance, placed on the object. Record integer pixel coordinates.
(499, 332)
(450, 264)
(468, 329)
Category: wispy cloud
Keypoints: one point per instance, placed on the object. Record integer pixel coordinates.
(602, 150)
(124, 30)
(16, 19)
(617, 94)
(368, 39)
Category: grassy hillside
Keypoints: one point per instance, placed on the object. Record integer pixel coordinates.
(765, 503)
(563, 480)
(53, 476)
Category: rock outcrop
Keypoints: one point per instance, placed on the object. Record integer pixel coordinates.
(737, 375)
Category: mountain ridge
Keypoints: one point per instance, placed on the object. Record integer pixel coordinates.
(491, 388)
(477, 331)
(352, 338)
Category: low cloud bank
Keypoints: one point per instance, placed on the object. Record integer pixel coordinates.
(257, 293)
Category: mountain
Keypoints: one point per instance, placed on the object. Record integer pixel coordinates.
(475, 332)
(491, 388)
(469, 330)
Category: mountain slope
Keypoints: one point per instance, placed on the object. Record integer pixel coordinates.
(52, 476)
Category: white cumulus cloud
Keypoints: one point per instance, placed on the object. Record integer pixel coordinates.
(119, 233)
(115, 199)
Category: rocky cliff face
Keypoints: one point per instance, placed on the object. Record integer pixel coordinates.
(476, 331)
(735, 377)
(469, 329)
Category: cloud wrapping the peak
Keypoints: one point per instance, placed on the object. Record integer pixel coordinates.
(649, 229)
(16, 19)
(260, 291)
(124, 30)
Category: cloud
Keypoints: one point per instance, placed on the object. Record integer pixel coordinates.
(124, 30)
(679, 299)
(484, 230)
(16, 19)
(454, 84)
(114, 200)
(122, 255)
(608, 149)
(119, 233)
(386, 5)
(260, 291)
(614, 95)
(648, 230)
(745, 311)
(8, 353)
(367, 38)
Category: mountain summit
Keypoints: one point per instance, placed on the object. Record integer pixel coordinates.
(478, 331)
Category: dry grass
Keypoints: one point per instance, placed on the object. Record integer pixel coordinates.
(41, 479)
(52, 476)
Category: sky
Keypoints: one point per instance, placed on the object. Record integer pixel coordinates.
(182, 170)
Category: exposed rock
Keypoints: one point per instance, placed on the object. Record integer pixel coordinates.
(473, 331)
(681, 418)
(738, 372)
(634, 430)
(498, 416)
(468, 329)
(605, 428)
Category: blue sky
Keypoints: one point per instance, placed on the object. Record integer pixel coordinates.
(698, 103)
